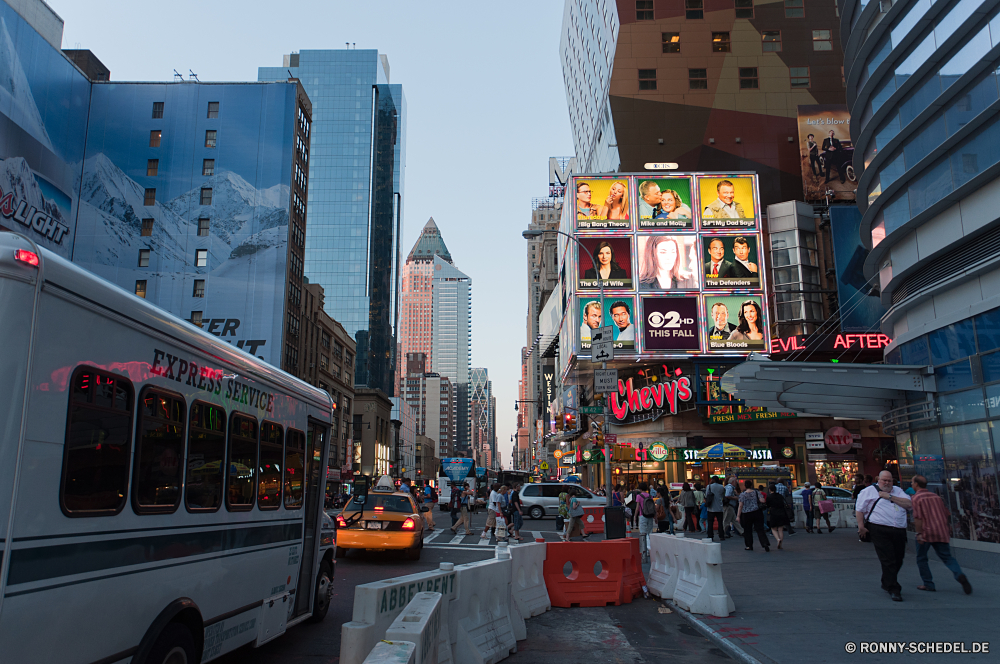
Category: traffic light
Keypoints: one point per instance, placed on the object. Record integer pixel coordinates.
(570, 422)
(560, 423)
(598, 439)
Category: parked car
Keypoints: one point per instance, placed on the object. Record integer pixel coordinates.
(542, 498)
(834, 493)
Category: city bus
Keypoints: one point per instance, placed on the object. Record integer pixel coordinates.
(160, 490)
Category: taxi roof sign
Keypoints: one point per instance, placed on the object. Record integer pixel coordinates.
(385, 483)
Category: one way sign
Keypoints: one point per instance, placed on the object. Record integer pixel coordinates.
(602, 345)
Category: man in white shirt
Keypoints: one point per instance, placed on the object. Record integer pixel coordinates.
(887, 526)
(492, 507)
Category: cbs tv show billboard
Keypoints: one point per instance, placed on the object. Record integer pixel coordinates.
(681, 259)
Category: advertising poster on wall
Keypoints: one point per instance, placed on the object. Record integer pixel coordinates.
(619, 314)
(670, 323)
(731, 261)
(826, 152)
(736, 323)
(613, 257)
(664, 203)
(602, 204)
(860, 310)
(727, 202)
(668, 262)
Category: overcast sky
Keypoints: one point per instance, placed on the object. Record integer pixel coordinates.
(486, 110)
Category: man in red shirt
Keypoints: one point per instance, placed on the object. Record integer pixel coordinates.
(930, 520)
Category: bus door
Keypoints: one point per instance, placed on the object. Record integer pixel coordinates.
(314, 493)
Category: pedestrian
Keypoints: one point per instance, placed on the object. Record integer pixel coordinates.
(575, 518)
(819, 495)
(884, 507)
(492, 507)
(687, 501)
(750, 516)
(930, 521)
(786, 494)
(859, 485)
(430, 500)
(664, 519)
(647, 519)
(776, 513)
(807, 506)
(466, 496)
(729, 522)
(404, 485)
(455, 505)
(563, 513)
(503, 513)
(616, 496)
(701, 510)
(715, 497)
(516, 513)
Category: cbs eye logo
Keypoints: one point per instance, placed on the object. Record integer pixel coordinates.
(669, 319)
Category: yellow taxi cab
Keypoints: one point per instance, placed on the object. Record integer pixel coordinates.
(384, 519)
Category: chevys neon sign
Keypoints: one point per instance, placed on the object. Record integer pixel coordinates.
(830, 342)
(664, 395)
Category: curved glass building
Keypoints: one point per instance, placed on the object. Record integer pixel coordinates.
(922, 86)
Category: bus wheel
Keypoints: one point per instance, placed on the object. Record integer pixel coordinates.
(324, 587)
(174, 645)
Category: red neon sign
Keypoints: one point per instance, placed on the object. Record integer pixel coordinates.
(830, 343)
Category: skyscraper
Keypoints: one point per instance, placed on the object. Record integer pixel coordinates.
(451, 345)
(356, 197)
(482, 405)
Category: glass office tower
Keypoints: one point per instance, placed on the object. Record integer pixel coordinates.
(355, 201)
(452, 341)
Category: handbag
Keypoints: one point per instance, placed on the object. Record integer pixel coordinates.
(867, 537)
(826, 506)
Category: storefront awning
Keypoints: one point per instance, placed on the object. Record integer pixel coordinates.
(856, 391)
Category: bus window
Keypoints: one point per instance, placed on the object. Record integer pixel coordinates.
(242, 462)
(206, 457)
(96, 454)
(269, 486)
(294, 469)
(159, 447)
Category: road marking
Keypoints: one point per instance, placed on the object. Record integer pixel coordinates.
(537, 534)
(457, 539)
(483, 542)
(446, 547)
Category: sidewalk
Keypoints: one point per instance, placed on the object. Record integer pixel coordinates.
(822, 591)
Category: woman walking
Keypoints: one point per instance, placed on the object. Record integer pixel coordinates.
(516, 515)
(699, 498)
(819, 495)
(564, 513)
(689, 503)
(664, 520)
(751, 518)
(776, 513)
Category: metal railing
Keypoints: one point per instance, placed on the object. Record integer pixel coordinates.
(903, 418)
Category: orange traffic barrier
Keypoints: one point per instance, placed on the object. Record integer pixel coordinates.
(633, 579)
(593, 520)
(587, 573)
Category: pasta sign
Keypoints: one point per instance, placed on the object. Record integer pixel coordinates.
(661, 396)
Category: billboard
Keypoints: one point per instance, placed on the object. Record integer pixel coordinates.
(695, 242)
(860, 306)
(826, 152)
(602, 203)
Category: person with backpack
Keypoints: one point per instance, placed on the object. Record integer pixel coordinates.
(575, 518)
(664, 519)
(715, 497)
(647, 518)
(516, 515)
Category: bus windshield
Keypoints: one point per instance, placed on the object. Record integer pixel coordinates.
(387, 503)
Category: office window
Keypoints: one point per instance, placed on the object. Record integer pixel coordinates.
(698, 79)
(671, 42)
(748, 78)
(720, 42)
(208, 167)
(213, 110)
(199, 288)
(799, 76)
(744, 8)
(147, 228)
(694, 9)
(210, 137)
(822, 40)
(144, 258)
(140, 288)
(206, 195)
(771, 41)
(201, 258)
(157, 110)
(647, 79)
(644, 10)
(203, 227)
(152, 166)
(197, 318)
(154, 138)
(795, 9)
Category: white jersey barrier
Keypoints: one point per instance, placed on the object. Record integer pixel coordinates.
(376, 606)
(527, 584)
(420, 623)
(663, 570)
(481, 618)
(700, 588)
(394, 652)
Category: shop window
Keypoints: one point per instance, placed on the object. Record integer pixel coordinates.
(927, 460)
(970, 473)
(671, 42)
(159, 449)
(952, 342)
(206, 458)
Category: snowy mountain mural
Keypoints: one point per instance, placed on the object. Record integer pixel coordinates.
(16, 178)
(15, 94)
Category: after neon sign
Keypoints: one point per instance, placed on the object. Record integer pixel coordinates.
(830, 343)
(664, 395)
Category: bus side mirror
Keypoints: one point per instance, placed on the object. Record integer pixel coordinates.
(360, 488)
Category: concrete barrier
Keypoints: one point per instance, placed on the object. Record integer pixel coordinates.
(663, 570)
(376, 606)
(420, 622)
(527, 585)
(480, 617)
(700, 588)
(396, 652)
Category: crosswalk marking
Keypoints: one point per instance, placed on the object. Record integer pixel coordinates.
(537, 534)
(483, 542)
(457, 539)
(433, 536)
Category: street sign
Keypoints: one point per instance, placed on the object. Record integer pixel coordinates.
(602, 345)
(611, 439)
(605, 380)
(544, 465)
(592, 410)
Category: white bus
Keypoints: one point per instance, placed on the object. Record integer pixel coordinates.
(160, 490)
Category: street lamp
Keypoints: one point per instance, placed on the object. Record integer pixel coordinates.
(531, 234)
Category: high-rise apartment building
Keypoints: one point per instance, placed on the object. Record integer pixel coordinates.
(356, 175)
(432, 397)
(709, 86)
(483, 410)
(416, 314)
(451, 346)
